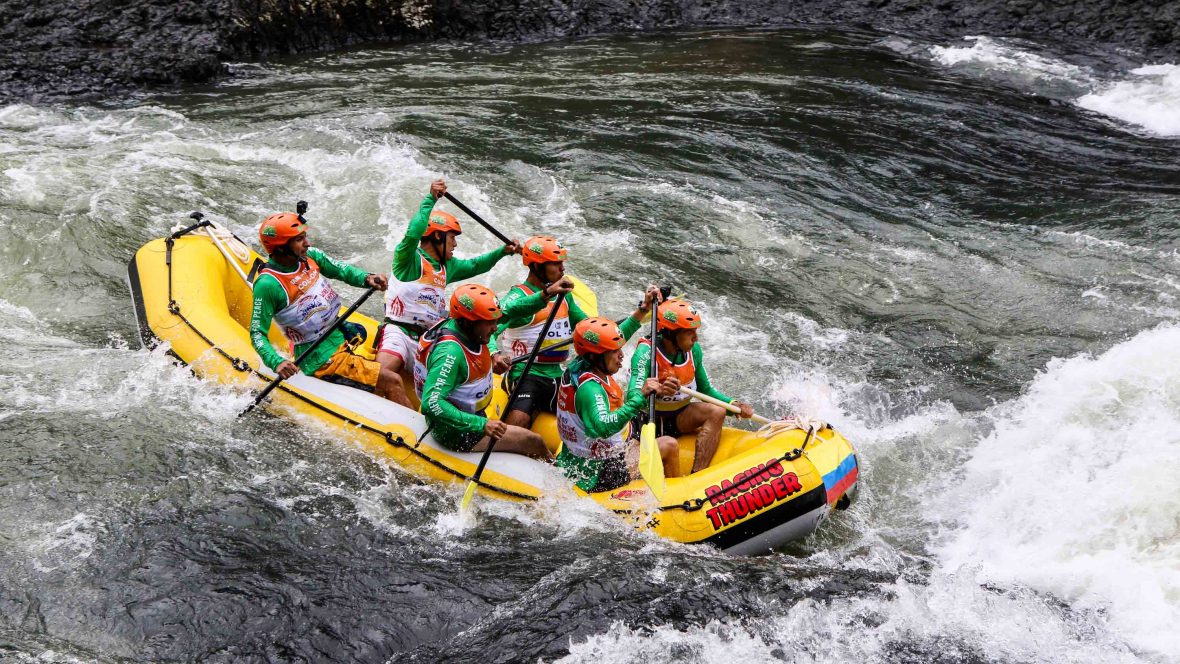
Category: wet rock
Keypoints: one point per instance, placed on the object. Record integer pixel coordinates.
(92, 48)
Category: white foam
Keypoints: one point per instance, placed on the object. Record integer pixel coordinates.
(1150, 99)
(1148, 96)
(1075, 492)
(950, 617)
(108, 383)
(993, 56)
(64, 543)
(1069, 496)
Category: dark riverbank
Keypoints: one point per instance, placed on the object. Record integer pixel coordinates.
(102, 48)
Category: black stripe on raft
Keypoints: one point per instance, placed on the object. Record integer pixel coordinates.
(146, 336)
(770, 519)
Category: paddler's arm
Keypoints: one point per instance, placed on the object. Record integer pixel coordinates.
(634, 322)
(702, 376)
(594, 410)
(406, 264)
(506, 321)
(630, 325)
(333, 269)
(269, 297)
(639, 364)
(459, 269)
(446, 369)
(527, 305)
(640, 367)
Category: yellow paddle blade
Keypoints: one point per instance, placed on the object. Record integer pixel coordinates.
(651, 467)
(467, 495)
(586, 298)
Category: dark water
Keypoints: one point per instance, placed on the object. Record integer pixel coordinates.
(876, 235)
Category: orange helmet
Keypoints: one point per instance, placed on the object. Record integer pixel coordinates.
(442, 222)
(678, 315)
(541, 249)
(475, 302)
(278, 229)
(597, 335)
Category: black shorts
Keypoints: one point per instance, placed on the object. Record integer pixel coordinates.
(536, 394)
(666, 423)
(612, 475)
(460, 442)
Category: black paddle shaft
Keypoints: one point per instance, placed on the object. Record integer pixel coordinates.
(665, 291)
(302, 356)
(528, 365)
(492, 229)
(653, 371)
(560, 344)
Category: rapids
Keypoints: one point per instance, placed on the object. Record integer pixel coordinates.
(963, 254)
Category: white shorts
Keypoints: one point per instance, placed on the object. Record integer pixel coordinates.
(395, 341)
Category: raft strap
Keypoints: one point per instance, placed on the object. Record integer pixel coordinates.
(174, 307)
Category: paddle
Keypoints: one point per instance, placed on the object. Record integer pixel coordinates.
(651, 466)
(586, 298)
(302, 356)
(774, 426)
(487, 453)
(491, 229)
(560, 344)
(718, 402)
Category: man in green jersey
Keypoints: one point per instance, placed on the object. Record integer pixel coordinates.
(679, 358)
(516, 335)
(292, 290)
(594, 416)
(423, 265)
(455, 374)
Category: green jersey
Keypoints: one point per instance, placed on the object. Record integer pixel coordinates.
(416, 291)
(689, 368)
(519, 333)
(453, 393)
(303, 303)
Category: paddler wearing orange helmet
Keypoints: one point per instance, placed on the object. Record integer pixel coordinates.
(454, 378)
(679, 358)
(545, 259)
(292, 290)
(423, 265)
(599, 450)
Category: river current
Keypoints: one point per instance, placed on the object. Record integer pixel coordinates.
(965, 254)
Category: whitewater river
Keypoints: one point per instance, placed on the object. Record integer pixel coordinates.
(964, 254)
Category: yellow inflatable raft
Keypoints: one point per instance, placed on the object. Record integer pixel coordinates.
(192, 290)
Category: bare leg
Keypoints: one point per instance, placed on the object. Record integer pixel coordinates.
(518, 418)
(670, 455)
(518, 440)
(706, 420)
(408, 387)
(390, 383)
